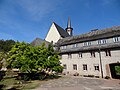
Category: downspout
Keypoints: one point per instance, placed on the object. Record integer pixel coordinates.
(100, 62)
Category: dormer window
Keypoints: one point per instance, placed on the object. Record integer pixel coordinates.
(63, 47)
(99, 42)
(103, 41)
(74, 45)
(115, 39)
(87, 43)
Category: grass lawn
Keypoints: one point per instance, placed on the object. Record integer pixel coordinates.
(19, 85)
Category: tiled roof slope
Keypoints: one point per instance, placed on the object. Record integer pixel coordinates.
(92, 47)
(93, 35)
(61, 31)
(38, 42)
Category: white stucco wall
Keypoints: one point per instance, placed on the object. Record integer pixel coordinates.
(53, 34)
(90, 61)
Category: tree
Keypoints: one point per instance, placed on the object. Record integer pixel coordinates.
(6, 45)
(3, 57)
(33, 59)
(117, 70)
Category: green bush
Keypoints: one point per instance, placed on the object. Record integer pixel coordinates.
(107, 77)
(90, 75)
(2, 74)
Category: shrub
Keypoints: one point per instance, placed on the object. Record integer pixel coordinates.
(97, 76)
(2, 73)
(76, 74)
(107, 77)
(90, 75)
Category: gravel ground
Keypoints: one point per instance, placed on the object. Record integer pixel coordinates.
(79, 83)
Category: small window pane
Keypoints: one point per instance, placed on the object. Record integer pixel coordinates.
(80, 54)
(92, 54)
(74, 66)
(69, 55)
(115, 39)
(84, 66)
(107, 52)
(74, 45)
(65, 66)
(96, 67)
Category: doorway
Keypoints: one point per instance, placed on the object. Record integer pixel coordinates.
(115, 70)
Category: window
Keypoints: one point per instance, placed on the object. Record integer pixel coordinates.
(74, 45)
(107, 52)
(99, 41)
(74, 66)
(84, 66)
(103, 41)
(69, 55)
(115, 39)
(60, 56)
(96, 67)
(63, 47)
(80, 54)
(87, 43)
(92, 54)
(65, 66)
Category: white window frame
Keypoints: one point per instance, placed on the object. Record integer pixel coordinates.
(87, 44)
(65, 66)
(96, 67)
(74, 45)
(74, 66)
(80, 55)
(64, 47)
(69, 55)
(103, 41)
(115, 39)
(85, 68)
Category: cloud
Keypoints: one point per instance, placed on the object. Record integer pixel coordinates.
(37, 9)
(16, 13)
(18, 17)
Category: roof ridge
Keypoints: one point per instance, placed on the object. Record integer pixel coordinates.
(61, 31)
(107, 32)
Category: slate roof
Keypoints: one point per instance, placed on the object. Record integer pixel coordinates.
(91, 48)
(93, 35)
(38, 42)
(61, 31)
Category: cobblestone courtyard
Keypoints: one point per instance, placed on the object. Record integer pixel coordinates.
(80, 83)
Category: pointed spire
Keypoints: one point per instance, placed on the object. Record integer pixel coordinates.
(69, 28)
(69, 23)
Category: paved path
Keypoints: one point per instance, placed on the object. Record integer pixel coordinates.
(79, 83)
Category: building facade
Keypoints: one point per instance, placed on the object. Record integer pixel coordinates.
(96, 53)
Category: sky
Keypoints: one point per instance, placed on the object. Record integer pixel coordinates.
(25, 20)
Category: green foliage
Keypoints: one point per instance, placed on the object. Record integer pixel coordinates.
(3, 57)
(117, 69)
(33, 59)
(6, 45)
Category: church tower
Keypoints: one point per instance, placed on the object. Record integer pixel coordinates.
(69, 29)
